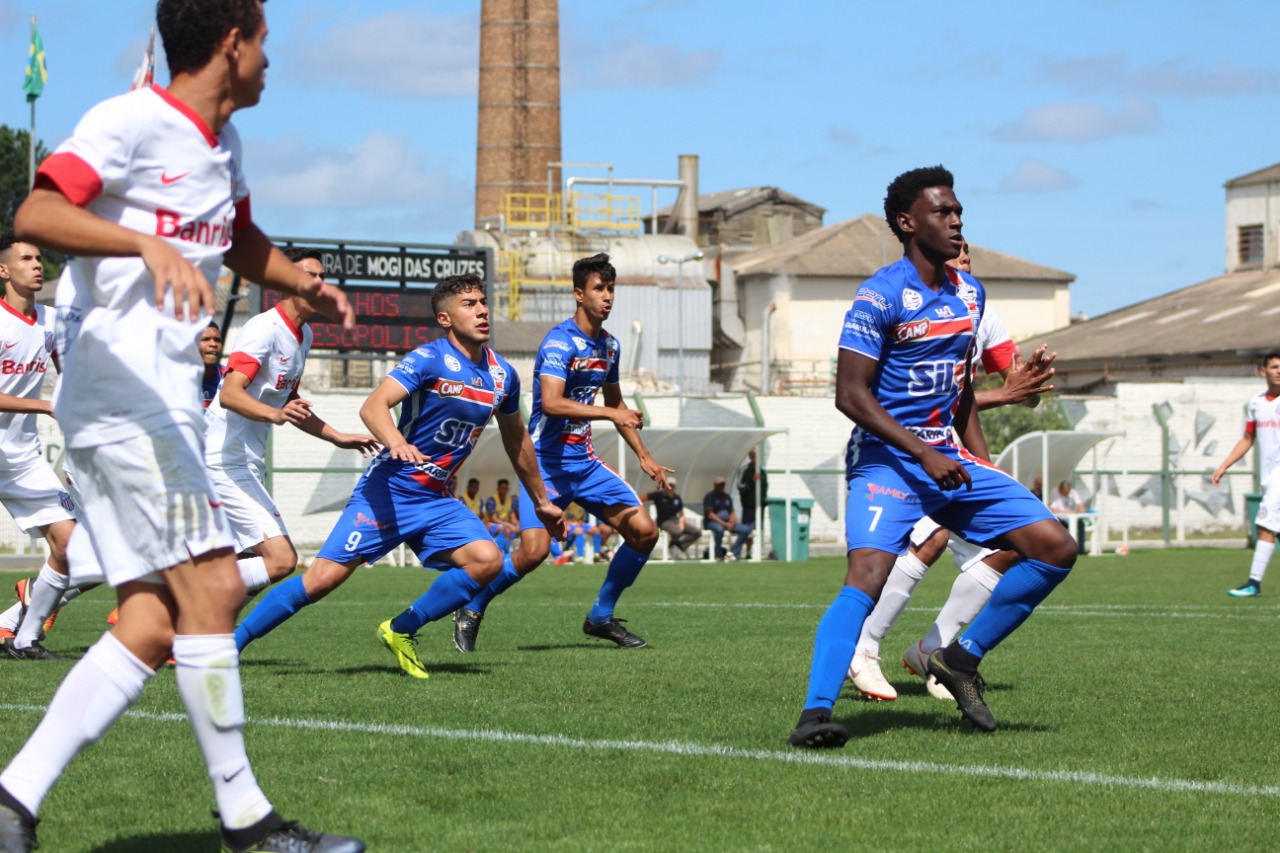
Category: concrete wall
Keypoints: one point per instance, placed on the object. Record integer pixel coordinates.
(1257, 204)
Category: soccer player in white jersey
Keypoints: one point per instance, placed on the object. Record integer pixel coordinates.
(149, 198)
(260, 388)
(29, 488)
(1261, 425)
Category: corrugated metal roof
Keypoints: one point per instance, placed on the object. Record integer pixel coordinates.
(1262, 176)
(858, 247)
(1233, 313)
(734, 201)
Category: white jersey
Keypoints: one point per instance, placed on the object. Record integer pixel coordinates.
(1262, 419)
(271, 351)
(992, 343)
(147, 162)
(26, 345)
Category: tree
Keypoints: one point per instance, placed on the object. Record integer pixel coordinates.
(14, 184)
(1003, 425)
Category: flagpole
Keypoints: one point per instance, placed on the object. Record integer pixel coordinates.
(31, 140)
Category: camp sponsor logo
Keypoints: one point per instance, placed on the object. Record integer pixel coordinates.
(452, 363)
(866, 294)
(874, 490)
(912, 331)
(449, 388)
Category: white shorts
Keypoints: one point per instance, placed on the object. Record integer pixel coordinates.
(1269, 510)
(149, 502)
(965, 553)
(34, 496)
(250, 510)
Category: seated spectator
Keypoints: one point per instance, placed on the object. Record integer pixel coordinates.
(670, 507)
(1066, 500)
(717, 507)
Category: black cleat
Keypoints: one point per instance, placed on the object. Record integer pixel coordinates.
(35, 651)
(967, 690)
(289, 837)
(613, 630)
(17, 831)
(816, 731)
(466, 624)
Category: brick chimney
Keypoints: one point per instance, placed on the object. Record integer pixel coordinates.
(519, 116)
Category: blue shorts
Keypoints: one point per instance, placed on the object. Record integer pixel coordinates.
(594, 486)
(384, 512)
(889, 494)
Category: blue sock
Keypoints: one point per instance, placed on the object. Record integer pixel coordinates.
(556, 550)
(834, 645)
(451, 590)
(1023, 587)
(505, 579)
(277, 605)
(596, 542)
(624, 568)
(503, 546)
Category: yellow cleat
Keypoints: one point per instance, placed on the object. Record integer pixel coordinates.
(403, 646)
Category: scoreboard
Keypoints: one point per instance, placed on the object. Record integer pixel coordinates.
(390, 290)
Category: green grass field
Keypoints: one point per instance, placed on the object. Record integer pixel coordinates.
(1137, 712)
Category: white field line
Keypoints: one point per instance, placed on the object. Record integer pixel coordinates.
(678, 748)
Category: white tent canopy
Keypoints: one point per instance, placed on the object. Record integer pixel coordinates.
(698, 455)
(1052, 455)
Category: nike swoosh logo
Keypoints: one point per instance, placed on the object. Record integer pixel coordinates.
(166, 179)
(11, 346)
(227, 779)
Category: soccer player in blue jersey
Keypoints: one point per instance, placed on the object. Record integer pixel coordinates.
(577, 360)
(447, 390)
(902, 376)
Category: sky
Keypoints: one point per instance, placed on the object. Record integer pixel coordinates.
(1091, 136)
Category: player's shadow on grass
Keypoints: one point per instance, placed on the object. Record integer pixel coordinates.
(167, 842)
(559, 647)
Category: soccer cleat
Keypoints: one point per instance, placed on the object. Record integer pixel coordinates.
(290, 837)
(562, 560)
(113, 617)
(1249, 589)
(35, 651)
(613, 630)
(22, 589)
(966, 689)
(6, 634)
(466, 624)
(403, 647)
(816, 731)
(864, 672)
(17, 832)
(916, 662)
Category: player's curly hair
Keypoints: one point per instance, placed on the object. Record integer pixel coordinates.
(906, 188)
(302, 253)
(191, 29)
(454, 285)
(584, 268)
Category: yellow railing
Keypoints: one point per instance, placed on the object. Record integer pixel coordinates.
(532, 210)
(602, 210)
(511, 268)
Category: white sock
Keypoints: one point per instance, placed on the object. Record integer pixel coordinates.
(1261, 556)
(969, 594)
(97, 690)
(208, 673)
(253, 571)
(9, 618)
(907, 573)
(46, 592)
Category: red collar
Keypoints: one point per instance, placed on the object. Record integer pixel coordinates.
(180, 106)
(29, 319)
(297, 332)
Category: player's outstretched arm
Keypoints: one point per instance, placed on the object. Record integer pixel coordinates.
(48, 218)
(855, 400)
(557, 405)
(1024, 381)
(969, 426)
(25, 405)
(254, 257)
(614, 402)
(376, 414)
(519, 447)
(1237, 453)
(313, 424)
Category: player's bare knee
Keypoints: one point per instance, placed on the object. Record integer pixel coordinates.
(281, 562)
(533, 552)
(643, 540)
(324, 577)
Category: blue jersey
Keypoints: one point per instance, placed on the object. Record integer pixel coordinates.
(921, 340)
(585, 365)
(451, 398)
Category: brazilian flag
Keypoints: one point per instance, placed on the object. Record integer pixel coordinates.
(37, 74)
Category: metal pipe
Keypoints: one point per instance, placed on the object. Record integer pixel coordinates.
(764, 347)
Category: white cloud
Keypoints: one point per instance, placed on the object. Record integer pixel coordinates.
(638, 64)
(380, 171)
(843, 137)
(404, 52)
(1082, 122)
(1036, 177)
(1173, 77)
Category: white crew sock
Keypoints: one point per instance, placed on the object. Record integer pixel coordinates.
(97, 690)
(46, 592)
(907, 573)
(1261, 557)
(969, 594)
(253, 571)
(9, 618)
(208, 673)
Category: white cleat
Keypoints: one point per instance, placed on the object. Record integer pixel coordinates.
(915, 660)
(864, 672)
